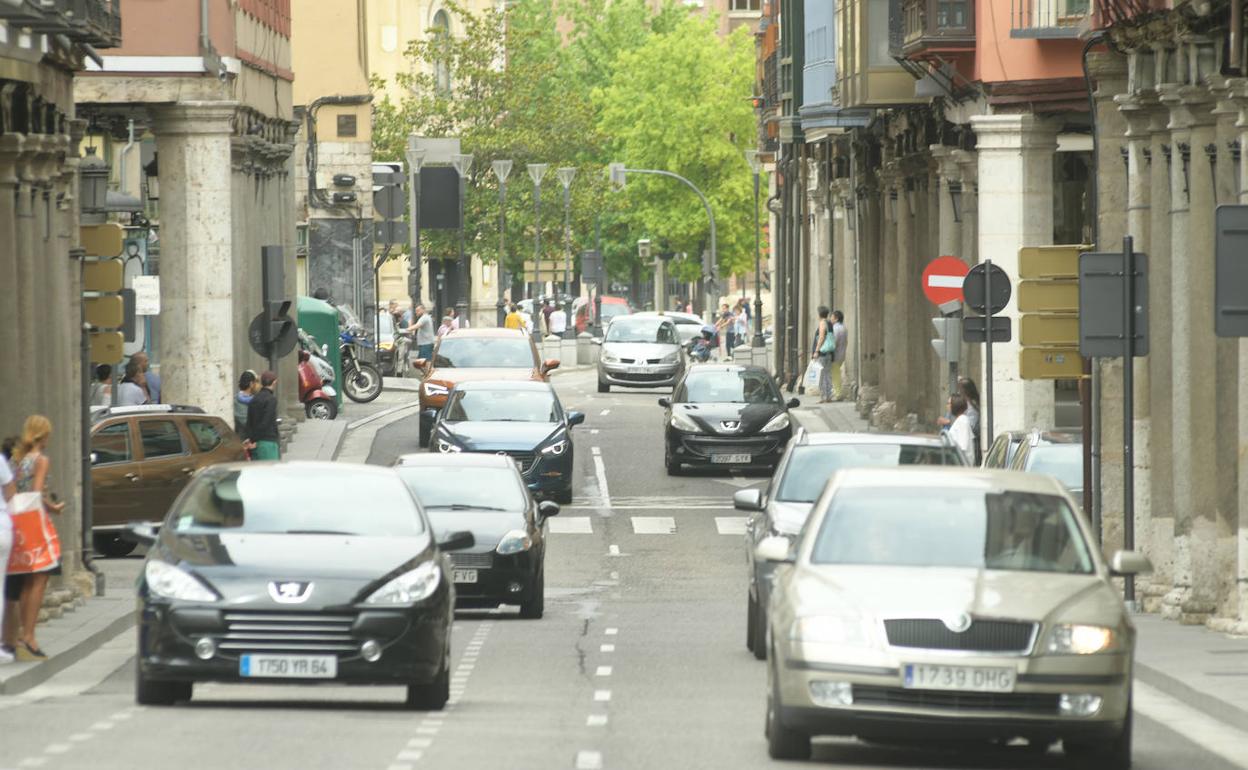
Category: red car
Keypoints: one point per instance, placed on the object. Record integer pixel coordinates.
(611, 307)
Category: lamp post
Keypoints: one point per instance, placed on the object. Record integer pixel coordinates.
(463, 165)
(566, 175)
(415, 159)
(751, 157)
(536, 172)
(502, 168)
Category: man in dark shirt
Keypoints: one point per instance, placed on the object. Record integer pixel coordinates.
(262, 420)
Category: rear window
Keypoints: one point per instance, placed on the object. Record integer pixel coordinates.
(728, 387)
(111, 444)
(1065, 461)
(206, 435)
(484, 353)
(809, 467)
(160, 439)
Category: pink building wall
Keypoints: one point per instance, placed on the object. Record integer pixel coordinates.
(1000, 58)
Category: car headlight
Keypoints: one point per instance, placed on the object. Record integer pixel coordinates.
(410, 587)
(515, 541)
(682, 421)
(1077, 639)
(557, 448)
(671, 358)
(608, 358)
(434, 389)
(168, 581)
(828, 629)
(779, 422)
(447, 447)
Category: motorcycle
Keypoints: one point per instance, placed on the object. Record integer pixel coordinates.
(700, 348)
(361, 380)
(315, 392)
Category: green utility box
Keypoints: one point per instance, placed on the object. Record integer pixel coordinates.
(320, 321)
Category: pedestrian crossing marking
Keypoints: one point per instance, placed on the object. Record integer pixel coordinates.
(730, 525)
(571, 525)
(653, 525)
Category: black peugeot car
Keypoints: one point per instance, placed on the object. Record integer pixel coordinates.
(725, 416)
(297, 573)
(523, 420)
(484, 494)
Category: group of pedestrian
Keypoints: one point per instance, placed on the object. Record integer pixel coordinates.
(140, 385)
(517, 318)
(255, 415)
(732, 326)
(29, 545)
(962, 421)
(418, 322)
(831, 344)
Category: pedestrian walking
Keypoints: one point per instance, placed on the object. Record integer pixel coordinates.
(741, 322)
(824, 349)
(447, 326)
(262, 436)
(840, 338)
(513, 319)
(102, 386)
(723, 330)
(960, 431)
(133, 388)
(248, 384)
(456, 320)
(970, 392)
(36, 545)
(548, 307)
(151, 380)
(423, 327)
(7, 489)
(558, 322)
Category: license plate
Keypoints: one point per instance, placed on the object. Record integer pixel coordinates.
(731, 459)
(288, 666)
(464, 575)
(637, 370)
(925, 676)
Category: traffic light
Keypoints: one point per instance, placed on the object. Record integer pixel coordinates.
(948, 342)
(279, 322)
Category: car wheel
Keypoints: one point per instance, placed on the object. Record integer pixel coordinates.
(674, 468)
(782, 742)
(426, 428)
(321, 409)
(760, 630)
(536, 605)
(113, 546)
(751, 622)
(434, 695)
(150, 692)
(603, 387)
(1103, 755)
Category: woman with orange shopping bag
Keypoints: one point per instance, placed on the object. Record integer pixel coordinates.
(36, 552)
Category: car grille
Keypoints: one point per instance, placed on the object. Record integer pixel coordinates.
(281, 632)
(524, 459)
(642, 376)
(982, 636)
(472, 560)
(942, 700)
(706, 446)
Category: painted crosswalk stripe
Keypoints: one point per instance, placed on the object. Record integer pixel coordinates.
(572, 525)
(730, 525)
(653, 525)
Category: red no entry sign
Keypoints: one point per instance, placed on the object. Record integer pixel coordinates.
(942, 279)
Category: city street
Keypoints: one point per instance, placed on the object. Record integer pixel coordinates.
(640, 661)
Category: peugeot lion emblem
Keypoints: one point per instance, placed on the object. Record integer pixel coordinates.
(290, 591)
(731, 424)
(958, 623)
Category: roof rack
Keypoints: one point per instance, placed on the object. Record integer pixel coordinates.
(101, 412)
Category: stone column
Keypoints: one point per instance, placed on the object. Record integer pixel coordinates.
(197, 334)
(891, 347)
(12, 378)
(870, 325)
(1015, 210)
(900, 313)
(28, 264)
(968, 165)
(1239, 91)
(949, 238)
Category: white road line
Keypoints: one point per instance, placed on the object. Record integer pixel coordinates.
(589, 760)
(615, 576)
(428, 729)
(730, 525)
(399, 766)
(33, 762)
(420, 743)
(596, 720)
(593, 431)
(613, 550)
(602, 671)
(1213, 736)
(572, 525)
(410, 755)
(607, 648)
(604, 413)
(602, 696)
(57, 748)
(595, 450)
(653, 525)
(612, 631)
(600, 471)
(103, 726)
(79, 737)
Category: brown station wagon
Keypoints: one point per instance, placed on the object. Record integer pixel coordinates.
(142, 457)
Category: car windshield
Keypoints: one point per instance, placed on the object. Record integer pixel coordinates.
(459, 488)
(809, 467)
(728, 387)
(941, 526)
(484, 353)
(641, 330)
(1065, 461)
(502, 406)
(612, 309)
(294, 500)
(385, 326)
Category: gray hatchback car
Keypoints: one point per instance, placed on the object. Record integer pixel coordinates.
(640, 352)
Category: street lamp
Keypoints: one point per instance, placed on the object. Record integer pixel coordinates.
(751, 157)
(565, 177)
(463, 165)
(415, 159)
(536, 172)
(502, 168)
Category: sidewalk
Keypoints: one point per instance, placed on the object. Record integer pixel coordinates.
(1206, 670)
(840, 416)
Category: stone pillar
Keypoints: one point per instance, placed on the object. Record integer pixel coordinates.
(1015, 210)
(27, 399)
(197, 333)
(870, 324)
(12, 378)
(949, 238)
(900, 312)
(891, 347)
(1239, 91)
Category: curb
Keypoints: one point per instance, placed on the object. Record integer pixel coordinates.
(1214, 708)
(54, 665)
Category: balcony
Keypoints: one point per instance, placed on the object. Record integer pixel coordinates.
(94, 22)
(937, 26)
(1048, 19)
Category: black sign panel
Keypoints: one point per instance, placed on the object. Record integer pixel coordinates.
(1101, 309)
(975, 328)
(439, 198)
(975, 292)
(1230, 289)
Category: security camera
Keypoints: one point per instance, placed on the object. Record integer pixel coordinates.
(223, 72)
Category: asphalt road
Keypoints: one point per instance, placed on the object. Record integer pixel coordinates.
(640, 661)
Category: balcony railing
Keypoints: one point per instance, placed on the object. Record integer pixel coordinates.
(94, 22)
(937, 25)
(771, 82)
(1048, 19)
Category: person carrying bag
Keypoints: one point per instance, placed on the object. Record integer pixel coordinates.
(824, 349)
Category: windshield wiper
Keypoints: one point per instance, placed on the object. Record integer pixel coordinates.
(464, 507)
(318, 532)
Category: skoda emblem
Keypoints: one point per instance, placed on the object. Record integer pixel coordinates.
(290, 591)
(731, 424)
(958, 623)
(501, 454)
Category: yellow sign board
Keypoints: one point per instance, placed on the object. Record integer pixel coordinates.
(102, 240)
(106, 347)
(1050, 363)
(550, 271)
(1050, 262)
(108, 312)
(1048, 331)
(1048, 296)
(106, 275)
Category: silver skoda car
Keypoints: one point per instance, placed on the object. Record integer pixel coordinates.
(640, 352)
(941, 604)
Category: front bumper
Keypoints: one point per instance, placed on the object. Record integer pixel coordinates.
(500, 579)
(698, 449)
(639, 375)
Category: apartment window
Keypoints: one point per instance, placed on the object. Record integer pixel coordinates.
(744, 5)
(442, 33)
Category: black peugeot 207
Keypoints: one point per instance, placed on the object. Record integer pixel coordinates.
(725, 416)
(298, 573)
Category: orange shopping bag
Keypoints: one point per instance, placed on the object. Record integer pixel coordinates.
(36, 546)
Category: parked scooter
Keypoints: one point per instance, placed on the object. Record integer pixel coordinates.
(361, 381)
(315, 392)
(701, 347)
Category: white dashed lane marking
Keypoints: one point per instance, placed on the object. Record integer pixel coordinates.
(602, 696)
(589, 760)
(603, 671)
(571, 525)
(653, 525)
(730, 525)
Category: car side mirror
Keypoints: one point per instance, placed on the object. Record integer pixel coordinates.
(550, 364)
(1129, 563)
(774, 549)
(576, 418)
(457, 541)
(95, 458)
(748, 500)
(665, 401)
(793, 403)
(547, 508)
(141, 533)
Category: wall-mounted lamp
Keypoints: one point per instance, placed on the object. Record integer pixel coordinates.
(1236, 184)
(892, 204)
(93, 187)
(911, 202)
(1185, 154)
(1211, 153)
(955, 199)
(849, 213)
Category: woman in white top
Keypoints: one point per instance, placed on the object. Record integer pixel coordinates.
(960, 431)
(7, 490)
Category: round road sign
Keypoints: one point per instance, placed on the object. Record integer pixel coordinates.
(942, 280)
(975, 293)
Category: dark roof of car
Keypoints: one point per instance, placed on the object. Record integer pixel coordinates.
(485, 331)
(822, 438)
(722, 368)
(1054, 437)
(503, 385)
(99, 413)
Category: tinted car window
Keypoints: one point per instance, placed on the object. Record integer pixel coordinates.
(996, 453)
(809, 466)
(449, 486)
(296, 501)
(736, 387)
(206, 435)
(484, 352)
(951, 527)
(502, 405)
(111, 444)
(1065, 461)
(160, 438)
